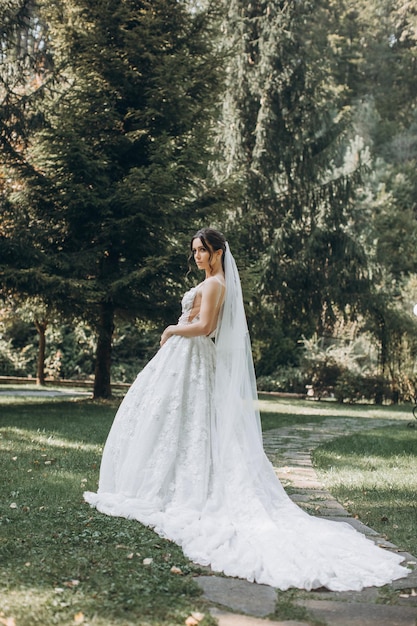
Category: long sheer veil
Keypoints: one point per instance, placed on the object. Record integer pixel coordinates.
(237, 414)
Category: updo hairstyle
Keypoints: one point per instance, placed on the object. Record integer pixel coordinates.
(212, 241)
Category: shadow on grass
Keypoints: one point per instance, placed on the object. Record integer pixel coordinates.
(373, 474)
(60, 558)
(332, 409)
(357, 448)
(75, 420)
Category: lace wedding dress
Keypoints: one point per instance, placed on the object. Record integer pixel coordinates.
(177, 461)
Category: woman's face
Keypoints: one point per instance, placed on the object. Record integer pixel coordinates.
(201, 254)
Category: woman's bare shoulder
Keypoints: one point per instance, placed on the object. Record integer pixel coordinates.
(214, 280)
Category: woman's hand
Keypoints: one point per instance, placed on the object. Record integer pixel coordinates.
(168, 332)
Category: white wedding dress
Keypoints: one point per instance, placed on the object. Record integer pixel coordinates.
(171, 463)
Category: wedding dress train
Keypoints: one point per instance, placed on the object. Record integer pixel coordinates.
(172, 462)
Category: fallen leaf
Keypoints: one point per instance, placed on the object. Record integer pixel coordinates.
(130, 556)
(59, 590)
(79, 618)
(175, 570)
(71, 583)
(147, 561)
(13, 505)
(194, 619)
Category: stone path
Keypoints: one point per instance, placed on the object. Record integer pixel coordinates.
(240, 603)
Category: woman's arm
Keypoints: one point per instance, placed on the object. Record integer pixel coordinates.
(209, 308)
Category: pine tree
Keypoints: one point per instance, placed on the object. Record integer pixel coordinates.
(118, 158)
(288, 111)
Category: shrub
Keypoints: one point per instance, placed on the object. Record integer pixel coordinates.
(354, 387)
(285, 379)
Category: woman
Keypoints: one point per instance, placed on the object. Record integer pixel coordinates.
(185, 454)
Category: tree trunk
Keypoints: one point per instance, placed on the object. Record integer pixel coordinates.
(102, 386)
(40, 367)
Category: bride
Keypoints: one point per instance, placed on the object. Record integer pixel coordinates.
(185, 455)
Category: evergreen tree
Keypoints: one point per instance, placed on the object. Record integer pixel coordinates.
(287, 135)
(117, 161)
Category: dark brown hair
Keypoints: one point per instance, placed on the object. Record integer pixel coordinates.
(212, 240)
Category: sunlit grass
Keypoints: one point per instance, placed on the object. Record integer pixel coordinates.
(60, 559)
(374, 475)
(313, 408)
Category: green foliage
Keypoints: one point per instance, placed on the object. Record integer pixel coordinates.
(70, 348)
(284, 379)
(17, 345)
(118, 175)
(271, 344)
(319, 125)
(353, 387)
(107, 117)
(134, 345)
(113, 182)
(286, 135)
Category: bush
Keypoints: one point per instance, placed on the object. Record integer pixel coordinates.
(322, 375)
(285, 379)
(354, 387)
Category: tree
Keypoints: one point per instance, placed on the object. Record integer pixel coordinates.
(386, 94)
(287, 135)
(117, 161)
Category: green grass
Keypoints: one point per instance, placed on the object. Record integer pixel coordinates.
(374, 475)
(277, 412)
(60, 560)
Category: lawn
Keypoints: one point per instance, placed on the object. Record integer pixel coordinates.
(374, 475)
(64, 563)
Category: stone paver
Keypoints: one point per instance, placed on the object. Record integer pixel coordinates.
(290, 449)
(239, 595)
(360, 614)
(231, 619)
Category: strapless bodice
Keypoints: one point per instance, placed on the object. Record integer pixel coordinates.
(186, 307)
(187, 304)
(188, 300)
